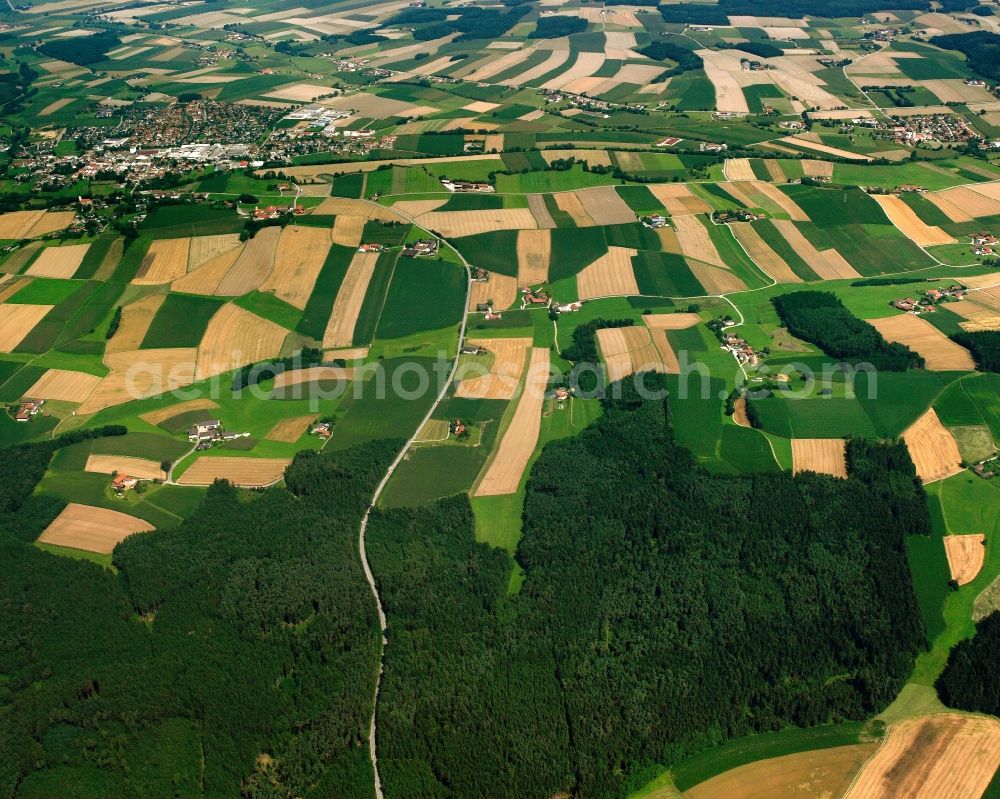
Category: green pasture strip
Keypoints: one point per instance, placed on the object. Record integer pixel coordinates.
(773, 238)
(181, 321)
(320, 304)
(665, 274)
(268, 306)
(371, 309)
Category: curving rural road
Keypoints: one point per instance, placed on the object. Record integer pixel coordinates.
(369, 577)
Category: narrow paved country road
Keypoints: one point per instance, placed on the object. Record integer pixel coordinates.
(372, 729)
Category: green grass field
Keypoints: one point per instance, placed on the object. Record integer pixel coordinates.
(424, 295)
(181, 321)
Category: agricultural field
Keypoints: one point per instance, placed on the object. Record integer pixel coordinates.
(584, 351)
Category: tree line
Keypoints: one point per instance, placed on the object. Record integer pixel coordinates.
(821, 318)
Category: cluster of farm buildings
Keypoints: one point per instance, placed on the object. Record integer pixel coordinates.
(927, 300)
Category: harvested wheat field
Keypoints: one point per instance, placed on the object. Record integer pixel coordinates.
(350, 298)
(659, 324)
(348, 229)
(504, 375)
(135, 321)
(312, 374)
(779, 199)
(738, 169)
(290, 430)
(143, 468)
(337, 206)
(297, 263)
(166, 260)
(966, 554)
(30, 224)
(829, 264)
(964, 202)
(136, 374)
(501, 290)
(504, 471)
(58, 261)
(767, 259)
(940, 756)
(569, 202)
(939, 352)
(162, 414)
(695, 241)
(207, 248)
(247, 472)
(715, 280)
(467, 223)
(236, 337)
(740, 415)
(253, 264)
(813, 774)
(628, 350)
(817, 169)
(410, 208)
(61, 384)
(610, 275)
(534, 247)
(16, 321)
(92, 529)
(911, 225)
(206, 278)
(605, 207)
(16, 224)
(678, 199)
(820, 455)
(536, 204)
(933, 448)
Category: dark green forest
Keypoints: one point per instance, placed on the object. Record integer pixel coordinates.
(664, 610)
(234, 655)
(971, 680)
(820, 317)
(984, 346)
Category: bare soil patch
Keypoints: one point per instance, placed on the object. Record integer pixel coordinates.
(61, 384)
(966, 554)
(610, 275)
(504, 472)
(940, 756)
(820, 455)
(933, 448)
(92, 529)
(940, 353)
(58, 261)
(247, 472)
